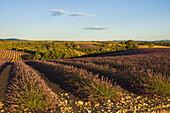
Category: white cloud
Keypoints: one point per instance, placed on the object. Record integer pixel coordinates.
(56, 12)
(96, 28)
(81, 14)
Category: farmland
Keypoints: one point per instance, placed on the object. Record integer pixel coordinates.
(11, 56)
(85, 56)
(116, 81)
(41, 50)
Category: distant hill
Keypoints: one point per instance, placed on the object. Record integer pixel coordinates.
(144, 40)
(16, 39)
(161, 41)
(155, 41)
(13, 39)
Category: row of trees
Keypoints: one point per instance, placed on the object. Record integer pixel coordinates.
(55, 50)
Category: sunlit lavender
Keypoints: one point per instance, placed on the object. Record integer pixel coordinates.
(27, 91)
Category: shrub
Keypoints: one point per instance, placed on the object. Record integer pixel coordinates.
(130, 44)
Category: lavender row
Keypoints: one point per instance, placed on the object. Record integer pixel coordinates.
(79, 81)
(103, 70)
(159, 64)
(27, 91)
(133, 78)
(157, 60)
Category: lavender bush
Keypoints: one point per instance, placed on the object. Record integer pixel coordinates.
(27, 91)
(153, 83)
(81, 82)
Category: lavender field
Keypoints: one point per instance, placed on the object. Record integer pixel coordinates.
(127, 81)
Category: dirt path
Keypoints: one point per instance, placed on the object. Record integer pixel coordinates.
(4, 81)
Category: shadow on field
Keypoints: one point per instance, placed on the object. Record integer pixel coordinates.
(27, 57)
(4, 75)
(4, 66)
(141, 51)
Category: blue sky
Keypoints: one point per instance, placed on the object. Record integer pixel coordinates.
(85, 19)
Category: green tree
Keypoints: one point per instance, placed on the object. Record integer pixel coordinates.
(130, 44)
(150, 45)
(123, 45)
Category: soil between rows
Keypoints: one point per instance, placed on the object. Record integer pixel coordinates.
(4, 81)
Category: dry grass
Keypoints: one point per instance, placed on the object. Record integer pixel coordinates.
(146, 46)
(84, 42)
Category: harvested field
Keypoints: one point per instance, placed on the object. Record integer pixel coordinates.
(11, 56)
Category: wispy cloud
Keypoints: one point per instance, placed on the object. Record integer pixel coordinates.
(56, 12)
(96, 28)
(81, 14)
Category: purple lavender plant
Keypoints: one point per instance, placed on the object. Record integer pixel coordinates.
(27, 91)
(81, 82)
(130, 69)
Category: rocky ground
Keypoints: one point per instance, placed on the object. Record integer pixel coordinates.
(129, 103)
